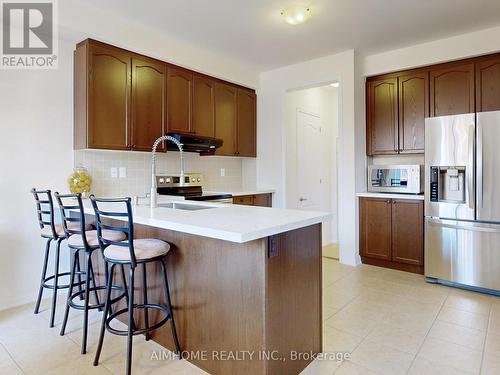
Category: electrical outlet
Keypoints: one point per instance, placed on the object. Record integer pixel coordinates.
(222, 172)
(114, 172)
(122, 172)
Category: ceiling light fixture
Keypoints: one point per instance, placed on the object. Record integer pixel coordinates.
(335, 84)
(296, 14)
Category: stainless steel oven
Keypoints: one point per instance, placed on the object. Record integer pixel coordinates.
(396, 178)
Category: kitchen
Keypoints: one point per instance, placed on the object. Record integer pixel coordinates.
(44, 147)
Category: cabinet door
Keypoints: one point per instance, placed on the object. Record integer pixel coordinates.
(408, 231)
(413, 92)
(225, 117)
(375, 228)
(203, 106)
(109, 98)
(247, 123)
(488, 84)
(382, 116)
(452, 89)
(148, 102)
(262, 200)
(247, 200)
(179, 100)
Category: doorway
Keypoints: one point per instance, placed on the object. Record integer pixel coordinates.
(312, 116)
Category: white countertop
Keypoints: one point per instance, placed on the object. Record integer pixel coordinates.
(419, 197)
(227, 222)
(241, 193)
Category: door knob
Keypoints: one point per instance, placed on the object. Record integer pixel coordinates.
(302, 199)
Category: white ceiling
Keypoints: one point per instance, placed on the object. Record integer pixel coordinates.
(252, 30)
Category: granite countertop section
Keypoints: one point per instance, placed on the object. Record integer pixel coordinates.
(419, 197)
(227, 222)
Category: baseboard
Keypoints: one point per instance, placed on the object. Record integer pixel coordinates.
(331, 251)
(394, 265)
(9, 303)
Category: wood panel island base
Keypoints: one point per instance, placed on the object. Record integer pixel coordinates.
(241, 308)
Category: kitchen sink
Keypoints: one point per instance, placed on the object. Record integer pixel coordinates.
(184, 206)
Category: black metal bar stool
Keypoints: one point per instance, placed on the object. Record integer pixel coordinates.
(132, 252)
(85, 241)
(52, 232)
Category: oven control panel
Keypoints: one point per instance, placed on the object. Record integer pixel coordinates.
(190, 179)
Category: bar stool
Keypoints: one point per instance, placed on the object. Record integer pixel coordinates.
(132, 252)
(82, 240)
(52, 232)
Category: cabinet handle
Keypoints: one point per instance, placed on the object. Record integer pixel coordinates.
(388, 201)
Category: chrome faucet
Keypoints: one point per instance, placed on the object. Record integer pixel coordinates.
(153, 199)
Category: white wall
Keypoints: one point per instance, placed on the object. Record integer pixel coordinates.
(323, 102)
(271, 134)
(458, 47)
(36, 127)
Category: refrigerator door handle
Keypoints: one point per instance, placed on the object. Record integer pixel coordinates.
(479, 170)
(470, 173)
(476, 228)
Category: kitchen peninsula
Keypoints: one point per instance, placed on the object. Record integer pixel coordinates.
(245, 283)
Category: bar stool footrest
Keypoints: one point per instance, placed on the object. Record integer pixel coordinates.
(64, 286)
(141, 331)
(76, 306)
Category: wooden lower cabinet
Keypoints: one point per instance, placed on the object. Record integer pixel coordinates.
(262, 200)
(375, 226)
(408, 231)
(392, 233)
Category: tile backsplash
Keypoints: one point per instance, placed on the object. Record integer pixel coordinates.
(138, 170)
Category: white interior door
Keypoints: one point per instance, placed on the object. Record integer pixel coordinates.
(309, 161)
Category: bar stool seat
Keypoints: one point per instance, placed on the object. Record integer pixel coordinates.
(145, 248)
(46, 231)
(76, 240)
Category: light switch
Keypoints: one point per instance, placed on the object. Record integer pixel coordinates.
(114, 172)
(122, 172)
(222, 172)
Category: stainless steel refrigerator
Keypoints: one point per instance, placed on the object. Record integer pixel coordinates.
(462, 200)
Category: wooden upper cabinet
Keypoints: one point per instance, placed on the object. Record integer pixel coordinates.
(408, 231)
(125, 101)
(488, 84)
(203, 106)
(109, 72)
(148, 102)
(413, 92)
(179, 100)
(225, 117)
(382, 116)
(375, 228)
(246, 131)
(452, 89)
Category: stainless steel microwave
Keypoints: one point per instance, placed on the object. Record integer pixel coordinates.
(396, 178)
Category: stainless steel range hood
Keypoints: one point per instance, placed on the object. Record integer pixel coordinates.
(195, 143)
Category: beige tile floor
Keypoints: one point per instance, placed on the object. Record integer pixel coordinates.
(389, 322)
(393, 322)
